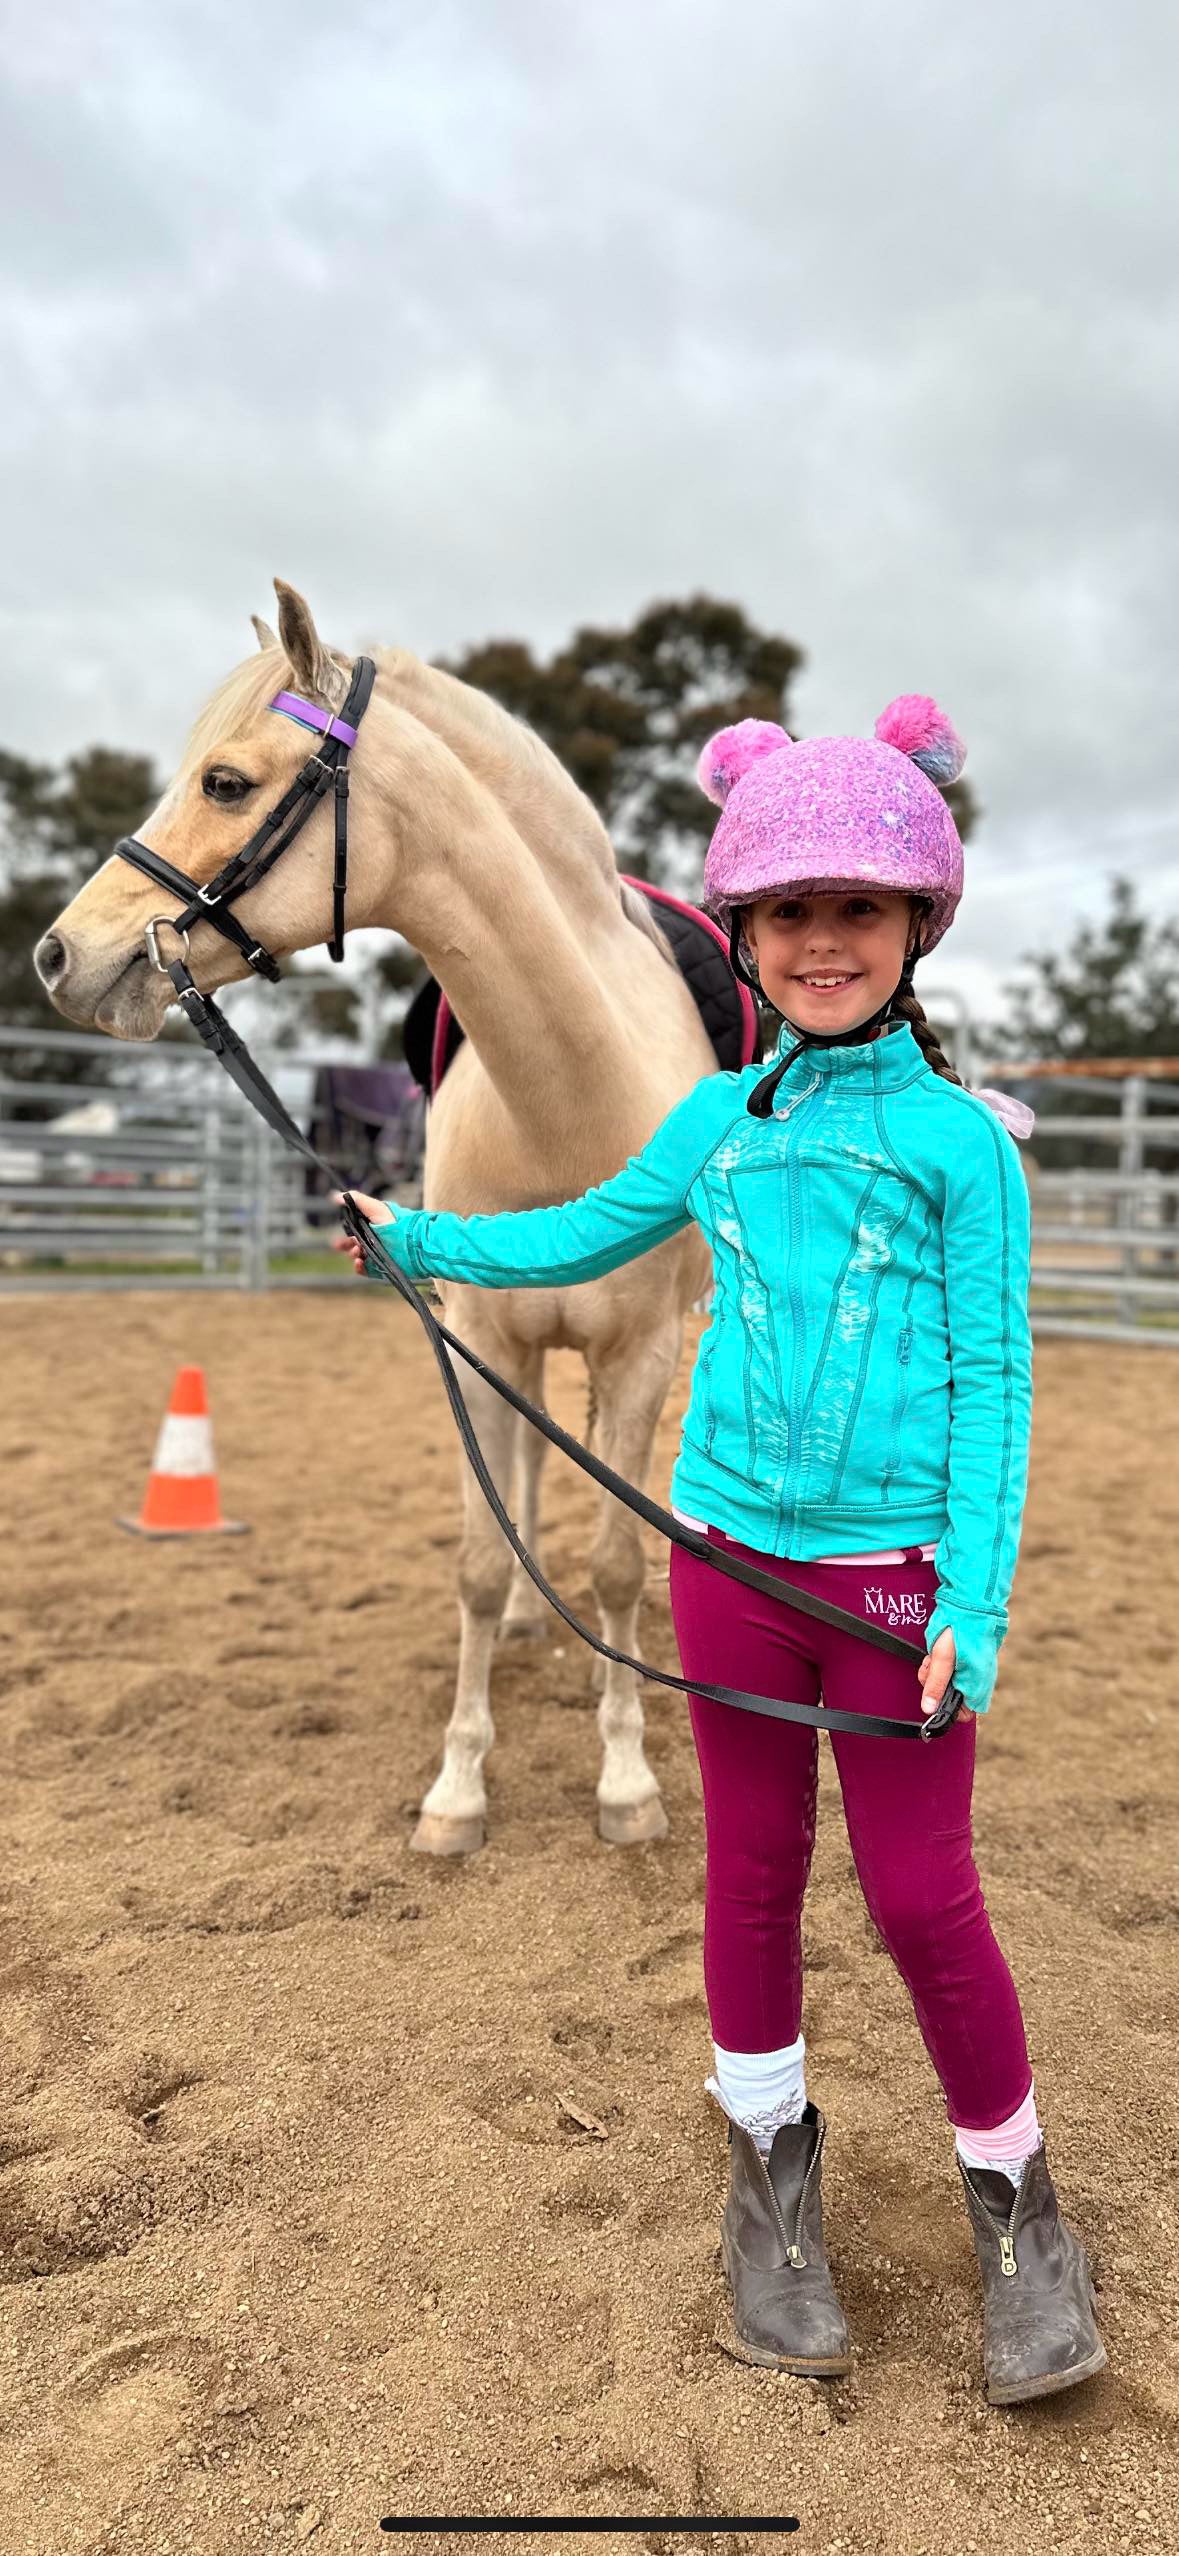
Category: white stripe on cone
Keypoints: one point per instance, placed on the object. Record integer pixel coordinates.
(185, 1444)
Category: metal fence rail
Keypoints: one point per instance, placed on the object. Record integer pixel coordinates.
(1105, 1235)
(189, 1187)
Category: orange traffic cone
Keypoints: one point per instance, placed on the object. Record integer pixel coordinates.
(182, 1497)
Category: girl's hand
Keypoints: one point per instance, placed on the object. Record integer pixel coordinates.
(936, 1670)
(377, 1213)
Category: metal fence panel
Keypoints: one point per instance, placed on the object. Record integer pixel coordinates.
(190, 1188)
(1118, 1234)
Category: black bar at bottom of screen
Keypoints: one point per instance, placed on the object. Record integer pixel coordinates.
(682, 2520)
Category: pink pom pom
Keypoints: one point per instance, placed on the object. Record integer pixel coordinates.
(730, 753)
(916, 727)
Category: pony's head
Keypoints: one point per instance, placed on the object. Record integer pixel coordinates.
(240, 758)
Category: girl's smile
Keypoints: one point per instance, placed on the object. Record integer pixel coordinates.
(829, 961)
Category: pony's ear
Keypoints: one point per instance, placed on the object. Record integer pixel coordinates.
(310, 662)
(265, 636)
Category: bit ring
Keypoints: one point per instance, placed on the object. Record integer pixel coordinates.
(151, 936)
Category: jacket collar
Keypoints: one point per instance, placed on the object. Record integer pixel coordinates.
(886, 1063)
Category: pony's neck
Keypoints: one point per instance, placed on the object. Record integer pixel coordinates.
(527, 982)
(539, 797)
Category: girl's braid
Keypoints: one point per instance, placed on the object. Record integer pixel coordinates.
(907, 1008)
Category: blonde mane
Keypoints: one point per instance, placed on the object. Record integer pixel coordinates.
(238, 701)
(501, 727)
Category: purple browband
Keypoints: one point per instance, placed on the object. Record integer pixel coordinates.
(308, 715)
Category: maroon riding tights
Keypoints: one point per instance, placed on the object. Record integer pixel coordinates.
(907, 1806)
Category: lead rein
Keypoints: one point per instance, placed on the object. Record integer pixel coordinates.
(213, 903)
(819, 1717)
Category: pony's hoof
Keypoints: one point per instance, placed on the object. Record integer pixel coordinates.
(435, 1834)
(632, 1824)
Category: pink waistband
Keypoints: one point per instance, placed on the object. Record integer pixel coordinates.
(926, 1552)
(851, 1560)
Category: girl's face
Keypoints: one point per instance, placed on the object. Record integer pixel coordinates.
(829, 962)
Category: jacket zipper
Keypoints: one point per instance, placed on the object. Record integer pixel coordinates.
(795, 1305)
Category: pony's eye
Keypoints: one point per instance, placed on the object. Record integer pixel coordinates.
(226, 786)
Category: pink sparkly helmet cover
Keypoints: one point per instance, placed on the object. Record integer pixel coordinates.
(835, 813)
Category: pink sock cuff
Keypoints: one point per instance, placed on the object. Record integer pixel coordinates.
(1010, 2140)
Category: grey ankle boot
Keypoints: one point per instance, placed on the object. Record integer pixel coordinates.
(1039, 2328)
(785, 2312)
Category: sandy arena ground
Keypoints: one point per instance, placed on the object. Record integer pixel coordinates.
(292, 2229)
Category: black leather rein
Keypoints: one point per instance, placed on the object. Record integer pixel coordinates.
(210, 904)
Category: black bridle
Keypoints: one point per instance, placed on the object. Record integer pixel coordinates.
(324, 770)
(211, 904)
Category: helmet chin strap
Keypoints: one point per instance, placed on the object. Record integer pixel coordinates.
(761, 1100)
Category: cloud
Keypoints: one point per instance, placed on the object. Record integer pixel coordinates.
(503, 321)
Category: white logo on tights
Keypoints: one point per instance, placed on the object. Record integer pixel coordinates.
(910, 1607)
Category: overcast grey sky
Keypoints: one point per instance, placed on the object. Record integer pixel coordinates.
(496, 318)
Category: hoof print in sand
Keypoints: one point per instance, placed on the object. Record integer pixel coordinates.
(587, 2203)
(522, 2110)
(55, 2215)
(581, 2036)
(313, 1721)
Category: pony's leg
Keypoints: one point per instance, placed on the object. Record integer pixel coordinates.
(527, 1616)
(632, 1383)
(454, 1812)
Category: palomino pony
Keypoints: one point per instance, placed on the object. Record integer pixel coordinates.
(470, 839)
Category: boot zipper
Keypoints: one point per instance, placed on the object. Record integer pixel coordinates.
(794, 2253)
(1007, 2255)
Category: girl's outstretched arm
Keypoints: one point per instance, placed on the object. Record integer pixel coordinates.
(986, 1233)
(642, 1205)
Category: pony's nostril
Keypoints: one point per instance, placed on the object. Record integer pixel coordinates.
(51, 959)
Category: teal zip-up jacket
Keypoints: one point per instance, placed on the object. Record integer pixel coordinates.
(865, 1379)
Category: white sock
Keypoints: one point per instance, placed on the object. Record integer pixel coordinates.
(1007, 2147)
(761, 2089)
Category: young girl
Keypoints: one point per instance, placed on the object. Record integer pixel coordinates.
(858, 1426)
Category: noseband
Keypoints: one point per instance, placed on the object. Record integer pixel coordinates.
(324, 770)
